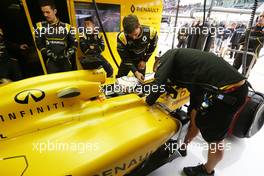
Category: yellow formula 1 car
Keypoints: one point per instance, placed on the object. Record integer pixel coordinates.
(63, 124)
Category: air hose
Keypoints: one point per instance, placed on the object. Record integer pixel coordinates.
(175, 23)
(106, 38)
(204, 11)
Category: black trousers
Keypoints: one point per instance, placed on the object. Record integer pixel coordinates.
(107, 66)
(181, 43)
(91, 62)
(239, 60)
(234, 46)
(62, 65)
(214, 121)
(124, 69)
(9, 69)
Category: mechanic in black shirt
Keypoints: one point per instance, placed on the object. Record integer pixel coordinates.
(92, 46)
(135, 45)
(256, 42)
(217, 90)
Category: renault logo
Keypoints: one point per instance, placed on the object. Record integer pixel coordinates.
(25, 96)
(132, 8)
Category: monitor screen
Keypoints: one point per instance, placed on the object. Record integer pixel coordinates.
(109, 15)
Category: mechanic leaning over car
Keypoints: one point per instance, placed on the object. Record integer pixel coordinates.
(217, 90)
(135, 45)
(55, 40)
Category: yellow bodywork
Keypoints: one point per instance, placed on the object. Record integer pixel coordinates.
(45, 133)
(62, 124)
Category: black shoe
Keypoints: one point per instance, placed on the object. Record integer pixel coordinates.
(197, 171)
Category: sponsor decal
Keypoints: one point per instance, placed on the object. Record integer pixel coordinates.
(122, 168)
(31, 95)
(144, 38)
(31, 112)
(134, 8)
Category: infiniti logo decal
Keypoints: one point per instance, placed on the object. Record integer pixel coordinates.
(27, 95)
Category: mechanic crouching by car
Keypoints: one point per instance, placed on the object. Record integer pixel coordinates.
(55, 40)
(92, 46)
(217, 90)
(135, 45)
